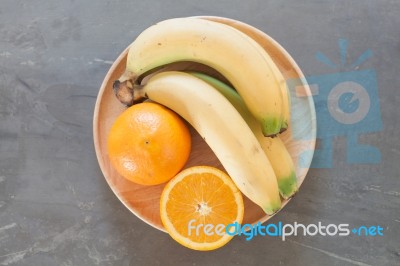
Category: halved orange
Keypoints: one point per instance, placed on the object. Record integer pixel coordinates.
(198, 204)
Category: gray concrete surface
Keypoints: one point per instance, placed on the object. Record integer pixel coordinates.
(55, 206)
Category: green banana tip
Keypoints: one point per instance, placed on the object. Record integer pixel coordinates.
(288, 185)
(272, 208)
(271, 126)
(274, 133)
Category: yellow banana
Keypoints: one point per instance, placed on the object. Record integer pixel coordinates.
(254, 34)
(274, 148)
(219, 46)
(223, 129)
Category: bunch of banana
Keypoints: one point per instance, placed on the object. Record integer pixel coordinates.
(229, 51)
(260, 165)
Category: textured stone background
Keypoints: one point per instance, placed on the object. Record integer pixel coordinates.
(55, 206)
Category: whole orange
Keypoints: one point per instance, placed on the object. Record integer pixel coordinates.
(148, 143)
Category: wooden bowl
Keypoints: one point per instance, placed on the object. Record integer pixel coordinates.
(143, 201)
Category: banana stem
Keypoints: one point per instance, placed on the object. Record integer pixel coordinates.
(128, 93)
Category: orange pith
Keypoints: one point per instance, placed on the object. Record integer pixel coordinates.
(148, 144)
(203, 195)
